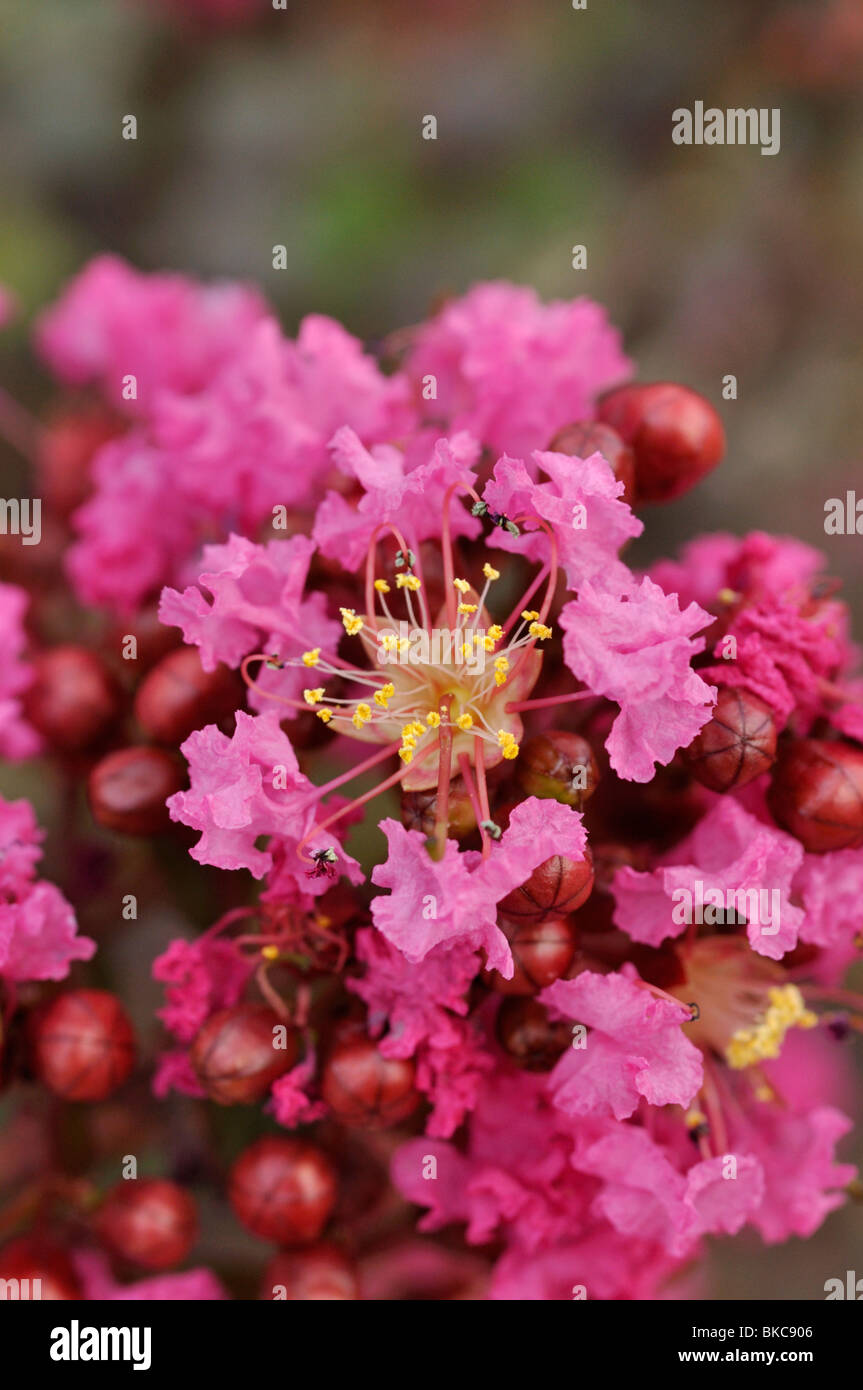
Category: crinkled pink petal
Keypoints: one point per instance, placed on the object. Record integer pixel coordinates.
(635, 647)
(635, 1048)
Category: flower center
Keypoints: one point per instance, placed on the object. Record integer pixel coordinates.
(746, 1004)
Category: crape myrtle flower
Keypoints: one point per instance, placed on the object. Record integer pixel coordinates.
(38, 932)
(412, 574)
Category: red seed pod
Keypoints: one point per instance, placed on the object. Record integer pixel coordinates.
(816, 793)
(591, 437)
(65, 450)
(236, 1054)
(419, 808)
(127, 790)
(533, 1040)
(675, 434)
(73, 698)
(322, 1274)
(283, 1190)
(542, 952)
(736, 745)
(559, 765)
(83, 1045)
(31, 1269)
(149, 1221)
(365, 1089)
(179, 696)
(557, 887)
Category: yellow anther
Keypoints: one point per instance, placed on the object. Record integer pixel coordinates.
(511, 751)
(539, 631)
(694, 1119)
(465, 721)
(500, 678)
(727, 596)
(406, 754)
(490, 572)
(389, 641)
(467, 607)
(433, 719)
(495, 632)
(529, 615)
(312, 658)
(407, 581)
(361, 715)
(462, 585)
(764, 1042)
(501, 663)
(325, 715)
(382, 586)
(384, 695)
(353, 624)
(270, 952)
(314, 697)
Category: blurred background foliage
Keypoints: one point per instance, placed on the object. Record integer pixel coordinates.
(303, 127)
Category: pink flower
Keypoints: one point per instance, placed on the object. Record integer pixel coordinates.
(729, 852)
(202, 976)
(167, 331)
(192, 1285)
(134, 532)
(512, 370)
(757, 567)
(635, 648)
(17, 738)
(580, 503)
(451, 1074)
(635, 1048)
(256, 604)
(829, 886)
(38, 936)
(289, 1102)
(455, 898)
(38, 930)
(803, 1182)
(392, 491)
(174, 1072)
(20, 847)
(782, 657)
(415, 999)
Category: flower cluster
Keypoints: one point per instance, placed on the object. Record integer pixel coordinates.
(578, 934)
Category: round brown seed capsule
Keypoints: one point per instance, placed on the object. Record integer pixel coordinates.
(179, 696)
(592, 437)
(73, 698)
(364, 1088)
(127, 790)
(235, 1055)
(150, 1221)
(674, 433)
(419, 810)
(559, 765)
(283, 1190)
(816, 793)
(321, 1274)
(736, 745)
(541, 951)
(83, 1045)
(557, 887)
(533, 1040)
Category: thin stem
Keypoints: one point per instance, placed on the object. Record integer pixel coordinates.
(441, 826)
(514, 706)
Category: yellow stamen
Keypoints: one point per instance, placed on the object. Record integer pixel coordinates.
(489, 572)
(311, 658)
(352, 623)
(462, 585)
(539, 631)
(467, 608)
(325, 715)
(764, 1042)
(313, 697)
(270, 952)
(529, 615)
(433, 719)
(465, 721)
(407, 581)
(382, 586)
